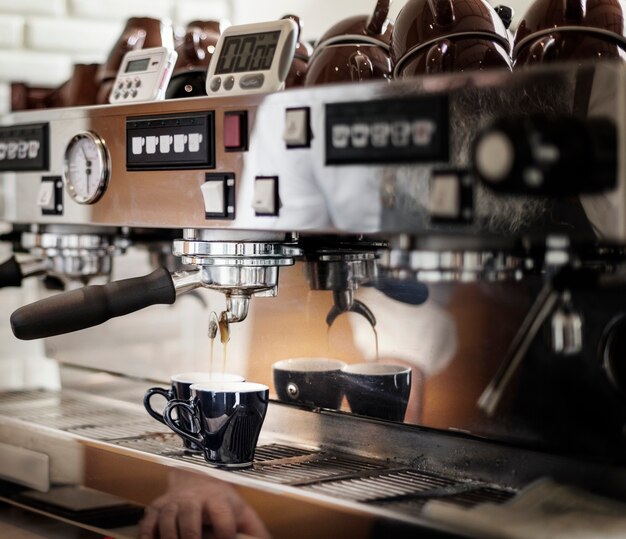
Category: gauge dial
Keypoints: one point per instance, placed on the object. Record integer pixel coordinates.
(86, 167)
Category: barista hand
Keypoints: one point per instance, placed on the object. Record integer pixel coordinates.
(181, 513)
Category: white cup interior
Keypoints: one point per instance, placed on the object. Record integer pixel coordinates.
(200, 377)
(375, 369)
(229, 387)
(309, 364)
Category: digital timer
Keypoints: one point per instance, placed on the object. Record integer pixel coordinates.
(252, 58)
(143, 75)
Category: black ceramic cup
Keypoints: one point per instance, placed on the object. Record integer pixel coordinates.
(377, 390)
(180, 388)
(309, 381)
(227, 419)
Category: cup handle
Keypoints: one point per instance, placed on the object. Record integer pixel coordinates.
(171, 423)
(542, 50)
(376, 22)
(146, 401)
(360, 67)
(443, 11)
(439, 58)
(575, 10)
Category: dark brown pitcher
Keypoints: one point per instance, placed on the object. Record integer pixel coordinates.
(353, 50)
(570, 30)
(139, 33)
(195, 51)
(437, 36)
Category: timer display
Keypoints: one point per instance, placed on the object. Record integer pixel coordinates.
(252, 52)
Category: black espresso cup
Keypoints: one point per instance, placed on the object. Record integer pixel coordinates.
(181, 389)
(227, 419)
(378, 390)
(309, 381)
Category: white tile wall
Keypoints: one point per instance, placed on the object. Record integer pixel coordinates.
(189, 10)
(119, 10)
(34, 67)
(70, 34)
(5, 102)
(316, 16)
(11, 31)
(56, 8)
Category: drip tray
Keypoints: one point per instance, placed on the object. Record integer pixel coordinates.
(332, 474)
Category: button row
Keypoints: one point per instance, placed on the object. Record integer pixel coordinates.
(117, 94)
(397, 134)
(129, 84)
(247, 82)
(22, 149)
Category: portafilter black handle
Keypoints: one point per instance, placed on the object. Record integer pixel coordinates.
(92, 305)
(10, 273)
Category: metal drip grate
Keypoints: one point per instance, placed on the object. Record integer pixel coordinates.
(27, 399)
(123, 429)
(386, 485)
(410, 489)
(265, 453)
(413, 505)
(331, 474)
(310, 469)
(165, 443)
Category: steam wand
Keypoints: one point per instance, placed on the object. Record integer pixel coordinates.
(554, 300)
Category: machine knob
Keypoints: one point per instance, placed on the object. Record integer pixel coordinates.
(557, 156)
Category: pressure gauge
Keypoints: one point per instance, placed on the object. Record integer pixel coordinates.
(86, 167)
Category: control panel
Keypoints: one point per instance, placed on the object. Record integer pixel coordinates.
(252, 58)
(143, 75)
(387, 131)
(24, 148)
(170, 142)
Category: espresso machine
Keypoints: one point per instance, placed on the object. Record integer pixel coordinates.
(505, 186)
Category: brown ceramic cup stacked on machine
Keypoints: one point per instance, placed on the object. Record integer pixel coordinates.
(195, 51)
(353, 50)
(139, 33)
(439, 36)
(570, 30)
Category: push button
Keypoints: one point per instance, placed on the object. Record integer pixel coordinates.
(445, 197)
(451, 197)
(216, 83)
(45, 197)
(214, 195)
(252, 82)
(229, 82)
(218, 193)
(236, 131)
(297, 133)
(50, 195)
(266, 200)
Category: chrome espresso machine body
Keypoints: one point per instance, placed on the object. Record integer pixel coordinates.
(484, 179)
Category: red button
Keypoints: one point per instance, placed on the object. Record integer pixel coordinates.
(235, 127)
